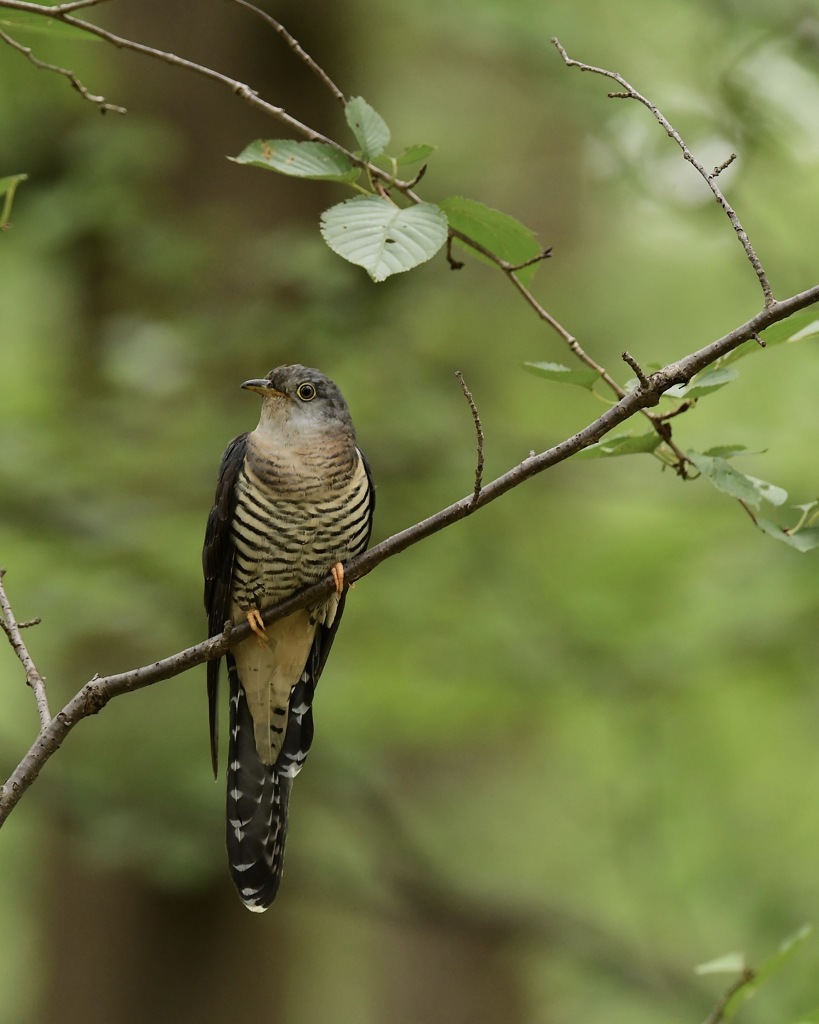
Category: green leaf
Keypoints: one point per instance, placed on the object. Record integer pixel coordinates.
(799, 327)
(728, 451)
(313, 160)
(722, 475)
(415, 154)
(770, 492)
(8, 186)
(385, 239)
(563, 374)
(730, 963)
(621, 444)
(708, 382)
(495, 231)
(369, 127)
(802, 540)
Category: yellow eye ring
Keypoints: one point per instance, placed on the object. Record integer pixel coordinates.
(306, 391)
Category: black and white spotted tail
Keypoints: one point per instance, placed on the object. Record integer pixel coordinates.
(257, 802)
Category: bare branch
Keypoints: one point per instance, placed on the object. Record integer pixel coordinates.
(638, 370)
(11, 627)
(709, 178)
(746, 977)
(27, 52)
(478, 433)
(297, 48)
(93, 697)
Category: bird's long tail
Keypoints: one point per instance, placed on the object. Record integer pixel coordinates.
(257, 801)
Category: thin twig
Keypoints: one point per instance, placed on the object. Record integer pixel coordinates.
(297, 48)
(476, 493)
(96, 694)
(27, 52)
(627, 357)
(710, 179)
(10, 626)
(717, 1015)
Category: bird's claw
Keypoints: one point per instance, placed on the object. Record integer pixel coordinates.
(254, 618)
(338, 577)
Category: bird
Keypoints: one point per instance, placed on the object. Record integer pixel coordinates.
(294, 501)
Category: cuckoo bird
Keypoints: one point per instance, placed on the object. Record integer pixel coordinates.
(294, 500)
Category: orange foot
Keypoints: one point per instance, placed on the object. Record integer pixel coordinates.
(338, 577)
(254, 617)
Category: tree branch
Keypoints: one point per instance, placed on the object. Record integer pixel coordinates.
(709, 178)
(93, 697)
(476, 419)
(27, 52)
(11, 627)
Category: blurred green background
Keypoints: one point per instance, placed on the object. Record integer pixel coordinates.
(566, 750)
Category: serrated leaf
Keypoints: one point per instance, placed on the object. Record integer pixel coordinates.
(415, 154)
(621, 444)
(730, 963)
(708, 382)
(563, 374)
(802, 540)
(368, 126)
(385, 239)
(8, 186)
(495, 231)
(312, 160)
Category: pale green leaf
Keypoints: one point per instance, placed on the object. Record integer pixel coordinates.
(385, 239)
(312, 160)
(770, 492)
(497, 232)
(564, 374)
(729, 963)
(369, 127)
(802, 540)
(722, 475)
(621, 444)
(707, 382)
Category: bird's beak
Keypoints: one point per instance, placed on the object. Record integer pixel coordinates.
(263, 387)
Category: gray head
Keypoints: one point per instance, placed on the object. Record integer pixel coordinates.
(299, 399)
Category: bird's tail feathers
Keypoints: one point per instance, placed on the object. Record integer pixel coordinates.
(257, 802)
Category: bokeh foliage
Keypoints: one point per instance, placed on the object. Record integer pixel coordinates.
(577, 730)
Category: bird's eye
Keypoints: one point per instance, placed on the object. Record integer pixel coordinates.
(306, 391)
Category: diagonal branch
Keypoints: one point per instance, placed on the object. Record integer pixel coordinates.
(28, 53)
(93, 697)
(709, 177)
(11, 627)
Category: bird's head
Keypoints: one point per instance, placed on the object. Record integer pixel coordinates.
(299, 399)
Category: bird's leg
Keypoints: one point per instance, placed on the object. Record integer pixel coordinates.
(254, 618)
(338, 577)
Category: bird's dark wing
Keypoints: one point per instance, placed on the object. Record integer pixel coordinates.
(217, 563)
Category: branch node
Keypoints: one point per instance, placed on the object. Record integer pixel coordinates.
(758, 340)
(721, 167)
(476, 493)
